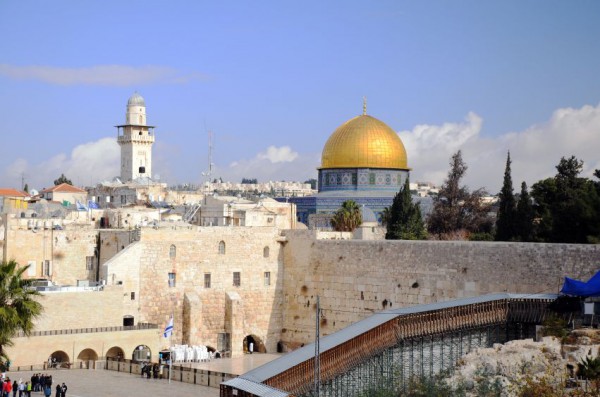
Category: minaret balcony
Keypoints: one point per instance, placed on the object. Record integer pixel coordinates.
(135, 138)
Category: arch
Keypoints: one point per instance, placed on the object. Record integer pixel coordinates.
(172, 251)
(266, 252)
(115, 353)
(141, 353)
(58, 359)
(222, 247)
(128, 320)
(257, 345)
(87, 355)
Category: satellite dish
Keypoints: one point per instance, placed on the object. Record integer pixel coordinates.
(34, 192)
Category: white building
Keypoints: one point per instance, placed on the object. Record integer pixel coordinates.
(136, 139)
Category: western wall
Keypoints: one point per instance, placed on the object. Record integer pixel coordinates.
(356, 278)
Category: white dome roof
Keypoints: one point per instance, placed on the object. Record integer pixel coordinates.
(136, 100)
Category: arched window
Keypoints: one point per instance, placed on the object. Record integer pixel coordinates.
(222, 248)
(172, 252)
(266, 252)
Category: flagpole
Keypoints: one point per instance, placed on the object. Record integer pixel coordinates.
(170, 351)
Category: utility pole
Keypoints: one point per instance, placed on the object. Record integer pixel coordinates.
(317, 349)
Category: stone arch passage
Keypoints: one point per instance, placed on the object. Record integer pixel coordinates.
(87, 355)
(115, 352)
(253, 344)
(141, 353)
(58, 359)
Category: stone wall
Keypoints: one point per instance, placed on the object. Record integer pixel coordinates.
(356, 278)
(84, 309)
(188, 253)
(66, 250)
(37, 349)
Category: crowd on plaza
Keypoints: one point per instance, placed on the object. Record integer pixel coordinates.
(38, 383)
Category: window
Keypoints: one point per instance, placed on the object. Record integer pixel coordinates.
(267, 278)
(236, 279)
(172, 252)
(206, 280)
(266, 252)
(222, 248)
(47, 268)
(89, 263)
(31, 270)
(133, 296)
(171, 280)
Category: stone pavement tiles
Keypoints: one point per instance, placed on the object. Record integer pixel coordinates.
(102, 383)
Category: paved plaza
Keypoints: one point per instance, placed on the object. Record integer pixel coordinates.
(103, 383)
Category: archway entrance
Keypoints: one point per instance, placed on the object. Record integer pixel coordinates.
(115, 353)
(253, 344)
(58, 359)
(141, 353)
(87, 355)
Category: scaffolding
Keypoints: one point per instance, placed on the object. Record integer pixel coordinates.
(417, 358)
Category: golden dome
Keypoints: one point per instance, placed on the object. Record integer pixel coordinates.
(364, 142)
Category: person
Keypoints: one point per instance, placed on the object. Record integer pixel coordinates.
(63, 390)
(58, 390)
(28, 389)
(251, 347)
(21, 388)
(15, 387)
(6, 388)
(47, 391)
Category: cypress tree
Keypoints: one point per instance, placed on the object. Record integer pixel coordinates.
(506, 221)
(405, 221)
(525, 215)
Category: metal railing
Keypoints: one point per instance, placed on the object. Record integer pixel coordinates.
(139, 326)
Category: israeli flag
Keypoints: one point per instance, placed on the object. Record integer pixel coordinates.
(93, 205)
(80, 207)
(169, 328)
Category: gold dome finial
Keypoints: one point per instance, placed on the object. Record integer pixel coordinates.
(364, 106)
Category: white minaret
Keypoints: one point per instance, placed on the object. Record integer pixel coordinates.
(136, 139)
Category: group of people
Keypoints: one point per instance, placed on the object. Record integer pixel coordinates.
(38, 383)
(151, 370)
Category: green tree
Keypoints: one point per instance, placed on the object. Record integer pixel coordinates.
(26, 188)
(62, 179)
(456, 208)
(347, 218)
(525, 215)
(567, 205)
(506, 220)
(18, 306)
(313, 183)
(405, 221)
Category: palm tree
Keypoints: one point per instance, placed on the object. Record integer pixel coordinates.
(347, 218)
(18, 306)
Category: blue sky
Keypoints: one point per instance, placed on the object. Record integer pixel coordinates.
(273, 79)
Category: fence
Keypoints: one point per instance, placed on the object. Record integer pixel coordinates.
(196, 376)
(137, 327)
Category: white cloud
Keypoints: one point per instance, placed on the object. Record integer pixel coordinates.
(534, 152)
(272, 164)
(87, 164)
(278, 155)
(108, 75)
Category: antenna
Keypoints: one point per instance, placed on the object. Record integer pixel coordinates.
(208, 173)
